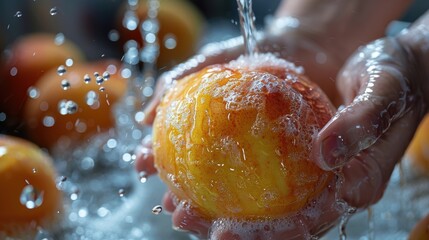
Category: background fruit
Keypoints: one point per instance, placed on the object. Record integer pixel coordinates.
(24, 166)
(22, 65)
(420, 230)
(235, 139)
(418, 150)
(47, 122)
(180, 27)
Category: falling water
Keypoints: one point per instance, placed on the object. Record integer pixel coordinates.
(247, 26)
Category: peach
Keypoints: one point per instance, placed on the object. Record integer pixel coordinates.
(27, 183)
(234, 139)
(22, 65)
(77, 113)
(418, 150)
(180, 27)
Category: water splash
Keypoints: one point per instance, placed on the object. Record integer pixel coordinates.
(30, 197)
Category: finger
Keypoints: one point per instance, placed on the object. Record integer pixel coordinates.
(169, 201)
(366, 175)
(213, 53)
(185, 218)
(384, 96)
(144, 157)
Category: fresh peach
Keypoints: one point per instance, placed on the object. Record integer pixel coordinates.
(24, 62)
(235, 139)
(180, 28)
(67, 108)
(27, 182)
(418, 150)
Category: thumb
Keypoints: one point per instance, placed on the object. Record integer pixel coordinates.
(381, 80)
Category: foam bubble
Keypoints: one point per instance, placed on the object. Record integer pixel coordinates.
(263, 60)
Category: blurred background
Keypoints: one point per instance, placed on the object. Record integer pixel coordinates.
(88, 23)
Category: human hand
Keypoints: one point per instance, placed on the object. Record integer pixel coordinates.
(385, 91)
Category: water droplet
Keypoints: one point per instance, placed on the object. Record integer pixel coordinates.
(87, 163)
(121, 192)
(83, 212)
(33, 93)
(34, 170)
(13, 71)
(157, 209)
(3, 116)
(147, 91)
(102, 89)
(139, 116)
(30, 197)
(61, 70)
(65, 84)
(102, 212)
(69, 62)
(92, 100)
(143, 176)
(130, 20)
(53, 11)
(18, 14)
(60, 182)
(126, 157)
(113, 35)
(106, 76)
(170, 41)
(99, 80)
(48, 121)
(96, 74)
(75, 194)
(43, 235)
(112, 143)
(67, 107)
(86, 78)
(59, 39)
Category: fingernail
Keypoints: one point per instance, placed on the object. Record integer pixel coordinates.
(333, 152)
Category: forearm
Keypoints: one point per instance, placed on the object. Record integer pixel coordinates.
(350, 22)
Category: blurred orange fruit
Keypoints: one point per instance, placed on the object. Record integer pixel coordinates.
(67, 108)
(421, 230)
(22, 65)
(180, 28)
(27, 183)
(418, 150)
(235, 139)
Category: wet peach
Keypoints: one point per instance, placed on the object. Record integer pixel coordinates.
(180, 27)
(77, 113)
(23, 64)
(27, 184)
(418, 150)
(235, 139)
